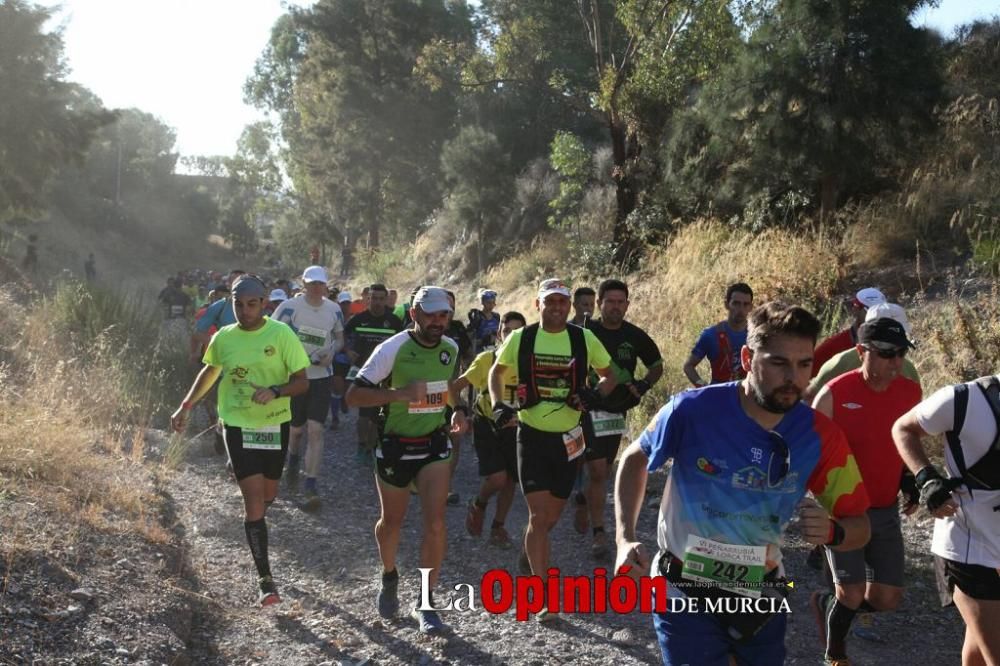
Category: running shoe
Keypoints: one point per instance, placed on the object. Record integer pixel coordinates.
(388, 602)
(430, 621)
(599, 549)
(474, 518)
(864, 628)
(544, 616)
(268, 592)
(312, 502)
(453, 499)
(499, 538)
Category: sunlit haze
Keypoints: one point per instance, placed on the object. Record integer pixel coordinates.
(186, 61)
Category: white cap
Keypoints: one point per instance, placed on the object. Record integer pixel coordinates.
(314, 274)
(278, 295)
(552, 286)
(432, 299)
(890, 311)
(868, 297)
(344, 296)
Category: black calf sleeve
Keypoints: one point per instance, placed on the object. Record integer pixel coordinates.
(257, 538)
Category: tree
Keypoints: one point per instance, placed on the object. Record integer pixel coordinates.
(572, 162)
(41, 126)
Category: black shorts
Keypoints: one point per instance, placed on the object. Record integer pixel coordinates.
(495, 450)
(312, 405)
(542, 462)
(403, 473)
(341, 369)
(247, 462)
(979, 582)
(880, 560)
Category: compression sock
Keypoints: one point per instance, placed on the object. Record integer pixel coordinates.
(866, 607)
(257, 538)
(581, 498)
(482, 504)
(838, 623)
(389, 576)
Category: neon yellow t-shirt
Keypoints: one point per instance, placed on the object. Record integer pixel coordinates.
(264, 357)
(478, 375)
(553, 416)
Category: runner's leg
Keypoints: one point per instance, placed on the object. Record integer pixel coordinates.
(432, 487)
(982, 617)
(394, 502)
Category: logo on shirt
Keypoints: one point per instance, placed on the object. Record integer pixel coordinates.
(851, 405)
(445, 357)
(707, 467)
(269, 350)
(240, 373)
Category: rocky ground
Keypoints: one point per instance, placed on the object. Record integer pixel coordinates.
(116, 598)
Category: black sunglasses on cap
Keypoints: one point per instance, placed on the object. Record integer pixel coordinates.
(887, 354)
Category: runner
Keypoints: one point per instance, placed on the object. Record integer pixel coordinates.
(217, 315)
(496, 448)
(316, 321)
(363, 303)
(176, 304)
(865, 403)
(966, 543)
(341, 367)
(483, 324)
(261, 364)
(407, 377)
(744, 455)
(626, 343)
(584, 299)
(363, 332)
(722, 343)
(846, 339)
(848, 360)
(551, 360)
(276, 298)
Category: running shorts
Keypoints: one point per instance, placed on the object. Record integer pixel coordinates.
(880, 560)
(247, 462)
(312, 405)
(403, 473)
(495, 450)
(976, 581)
(542, 462)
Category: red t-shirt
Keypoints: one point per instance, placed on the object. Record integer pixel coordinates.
(830, 347)
(866, 417)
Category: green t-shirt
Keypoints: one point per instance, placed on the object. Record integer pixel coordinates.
(400, 361)
(478, 375)
(264, 357)
(846, 361)
(552, 416)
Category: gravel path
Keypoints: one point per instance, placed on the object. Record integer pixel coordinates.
(191, 600)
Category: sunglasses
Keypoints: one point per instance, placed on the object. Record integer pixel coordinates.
(779, 461)
(888, 353)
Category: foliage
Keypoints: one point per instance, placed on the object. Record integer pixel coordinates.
(571, 160)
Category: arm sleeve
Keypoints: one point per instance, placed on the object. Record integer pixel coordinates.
(661, 439)
(836, 481)
(936, 414)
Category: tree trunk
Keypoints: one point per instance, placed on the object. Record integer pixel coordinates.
(623, 149)
(828, 190)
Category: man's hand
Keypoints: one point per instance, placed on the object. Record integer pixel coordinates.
(323, 359)
(586, 399)
(638, 388)
(415, 391)
(459, 423)
(633, 554)
(504, 416)
(262, 395)
(178, 420)
(814, 522)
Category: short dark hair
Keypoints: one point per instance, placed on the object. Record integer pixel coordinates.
(741, 287)
(583, 291)
(378, 286)
(512, 315)
(777, 318)
(611, 285)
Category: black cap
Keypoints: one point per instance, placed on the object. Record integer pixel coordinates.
(884, 332)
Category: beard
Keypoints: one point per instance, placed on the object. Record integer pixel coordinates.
(772, 401)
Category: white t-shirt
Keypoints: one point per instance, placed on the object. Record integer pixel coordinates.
(972, 535)
(318, 328)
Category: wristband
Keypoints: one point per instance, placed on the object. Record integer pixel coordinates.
(836, 535)
(187, 405)
(276, 391)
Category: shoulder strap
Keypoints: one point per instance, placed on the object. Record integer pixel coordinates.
(722, 366)
(954, 443)
(580, 359)
(526, 366)
(984, 474)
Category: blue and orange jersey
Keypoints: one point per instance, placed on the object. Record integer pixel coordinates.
(728, 481)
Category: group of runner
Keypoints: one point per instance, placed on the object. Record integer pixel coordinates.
(746, 453)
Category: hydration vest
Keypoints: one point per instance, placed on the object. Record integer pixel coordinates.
(537, 378)
(985, 474)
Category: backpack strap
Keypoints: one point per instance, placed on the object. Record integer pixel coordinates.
(578, 352)
(954, 443)
(722, 366)
(984, 474)
(526, 367)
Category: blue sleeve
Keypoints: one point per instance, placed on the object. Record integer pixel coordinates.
(211, 316)
(707, 344)
(660, 440)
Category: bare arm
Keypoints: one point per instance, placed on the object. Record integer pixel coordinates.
(607, 382)
(373, 396)
(630, 489)
(497, 373)
(906, 433)
(690, 372)
(654, 374)
(824, 402)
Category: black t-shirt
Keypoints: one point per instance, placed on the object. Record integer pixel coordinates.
(174, 301)
(366, 331)
(626, 345)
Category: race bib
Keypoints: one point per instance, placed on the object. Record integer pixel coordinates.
(311, 337)
(738, 569)
(352, 374)
(264, 438)
(176, 310)
(574, 443)
(433, 402)
(607, 423)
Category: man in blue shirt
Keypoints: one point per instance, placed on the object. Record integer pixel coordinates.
(722, 342)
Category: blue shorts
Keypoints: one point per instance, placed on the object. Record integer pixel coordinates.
(699, 639)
